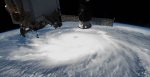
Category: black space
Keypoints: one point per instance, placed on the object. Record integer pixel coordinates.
(126, 11)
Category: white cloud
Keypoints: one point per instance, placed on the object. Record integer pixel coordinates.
(68, 46)
(98, 51)
(134, 28)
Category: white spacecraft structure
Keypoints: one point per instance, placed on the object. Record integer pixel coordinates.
(33, 15)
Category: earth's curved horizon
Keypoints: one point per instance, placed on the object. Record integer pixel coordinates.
(101, 51)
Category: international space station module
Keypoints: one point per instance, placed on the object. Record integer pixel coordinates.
(33, 15)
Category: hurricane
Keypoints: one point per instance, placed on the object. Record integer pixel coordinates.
(101, 51)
